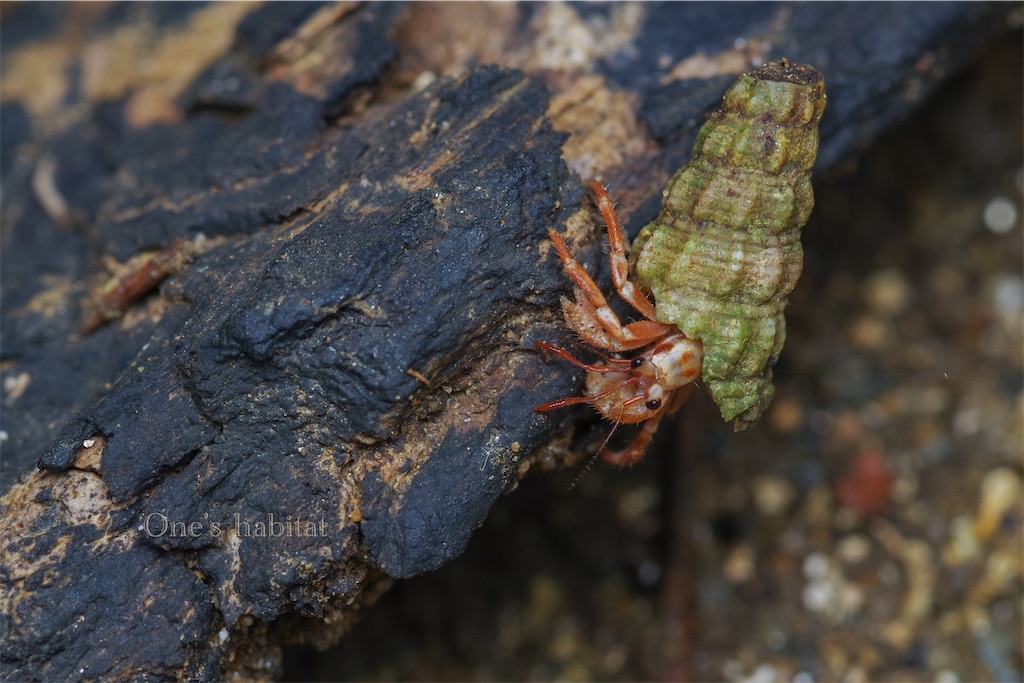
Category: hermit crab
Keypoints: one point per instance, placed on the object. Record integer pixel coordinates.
(720, 260)
(626, 391)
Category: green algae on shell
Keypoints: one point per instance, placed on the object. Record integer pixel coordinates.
(724, 253)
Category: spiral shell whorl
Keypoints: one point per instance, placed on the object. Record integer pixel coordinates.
(724, 253)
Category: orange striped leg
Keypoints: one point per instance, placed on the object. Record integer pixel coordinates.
(562, 353)
(576, 400)
(620, 266)
(635, 451)
(640, 331)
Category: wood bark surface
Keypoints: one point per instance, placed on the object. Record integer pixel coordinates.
(364, 193)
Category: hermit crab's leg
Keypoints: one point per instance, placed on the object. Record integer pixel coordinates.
(635, 451)
(634, 334)
(620, 266)
(576, 400)
(562, 353)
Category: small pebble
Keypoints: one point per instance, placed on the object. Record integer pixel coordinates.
(1001, 569)
(963, 546)
(867, 487)
(827, 592)
(816, 566)
(887, 292)
(856, 674)
(15, 385)
(648, 573)
(785, 415)
(904, 490)
(775, 640)
(638, 502)
(772, 494)
(765, 673)
(732, 670)
(931, 400)
(851, 599)
(740, 565)
(817, 508)
(869, 333)
(967, 422)
(818, 596)
(1000, 492)
(853, 549)
(919, 565)
(889, 574)
(702, 532)
(820, 422)
(898, 634)
(1007, 296)
(873, 415)
(947, 281)
(977, 620)
(1003, 611)
(1000, 215)
(423, 79)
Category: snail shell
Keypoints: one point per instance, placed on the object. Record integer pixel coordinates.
(724, 253)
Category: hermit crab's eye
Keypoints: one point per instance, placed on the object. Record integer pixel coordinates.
(636, 362)
(654, 404)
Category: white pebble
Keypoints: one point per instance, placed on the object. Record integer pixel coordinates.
(1000, 215)
(816, 566)
(818, 596)
(1008, 295)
